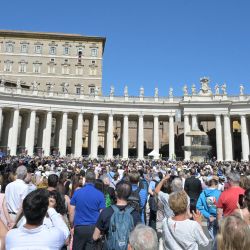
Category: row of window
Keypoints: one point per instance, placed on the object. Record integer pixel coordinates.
(38, 49)
(92, 89)
(65, 69)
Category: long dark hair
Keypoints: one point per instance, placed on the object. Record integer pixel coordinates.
(60, 202)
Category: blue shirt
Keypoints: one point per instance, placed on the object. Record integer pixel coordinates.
(88, 202)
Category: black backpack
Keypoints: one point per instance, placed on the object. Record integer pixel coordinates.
(134, 200)
(153, 200)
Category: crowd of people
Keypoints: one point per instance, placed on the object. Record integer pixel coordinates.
(64, 203)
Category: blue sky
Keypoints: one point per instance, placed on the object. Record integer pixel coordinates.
(159, 43)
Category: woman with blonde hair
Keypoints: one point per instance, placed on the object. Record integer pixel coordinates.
(179, 232)
(234, 234)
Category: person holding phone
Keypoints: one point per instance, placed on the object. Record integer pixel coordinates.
(244, 211)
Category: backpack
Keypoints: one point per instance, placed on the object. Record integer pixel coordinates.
(153, 200)
(134, 200)
(108, 200)
(143, 184)
(121, 224)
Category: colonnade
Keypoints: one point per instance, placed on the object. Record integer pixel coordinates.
(10, 131)
(224, 140)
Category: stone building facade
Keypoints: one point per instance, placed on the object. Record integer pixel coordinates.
(59, 62)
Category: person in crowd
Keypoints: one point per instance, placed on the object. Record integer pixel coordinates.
(75, 184)
(56, 199)
(33, 234)
(206, 204)
(143, 238)
(134, 178)
(244, 182)
(29, 180)
(123, 191)
(109, 192)
(179, 232)
(193, 188)
(244, 202)
(52, 182)
(153, 200)
(84, 212)
(63, 183)
(15, 193)
(175, 186)
(228, 200)
(234, 234)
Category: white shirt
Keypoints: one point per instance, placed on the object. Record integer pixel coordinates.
(188, 233)
(15, 193)
(40, 238)
(121, 172)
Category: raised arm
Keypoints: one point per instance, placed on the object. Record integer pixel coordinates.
(159, 186)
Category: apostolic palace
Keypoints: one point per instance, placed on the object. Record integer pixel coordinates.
(51, 102)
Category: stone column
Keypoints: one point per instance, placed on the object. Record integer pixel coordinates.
(63, 134)
(47, 134)
(94, 136)
(57, 131)
(1, 122)
(195, 122)
(12, 142)
(40, 130)
(228, 138)
(187, 139)
(78, 136)
(219, 141)
(30, 133)
(244, 138)
(109, 153)
(89, 136)
(140, 140)
(156, 136)
(171, 138)
(24, 127)
(125, 137)
(6, 128)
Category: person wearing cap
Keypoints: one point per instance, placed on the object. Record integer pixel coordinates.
(228, 200)
(206, 204)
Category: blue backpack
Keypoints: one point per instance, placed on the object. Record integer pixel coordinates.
(121, 224)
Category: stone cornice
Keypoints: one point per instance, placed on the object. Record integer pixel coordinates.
(52, 36)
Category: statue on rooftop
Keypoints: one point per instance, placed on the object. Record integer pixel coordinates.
(185, 90)
(18, 83)
(35, 85)
(141, 91)
(241, 89)
(126, 90)
(65, 88)
(2, 82)
(224, 89)
(217, 89)
(156, 93)
(205, 89)
(193, 89)
(50, 86)
(112, 90)
(170, 93)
